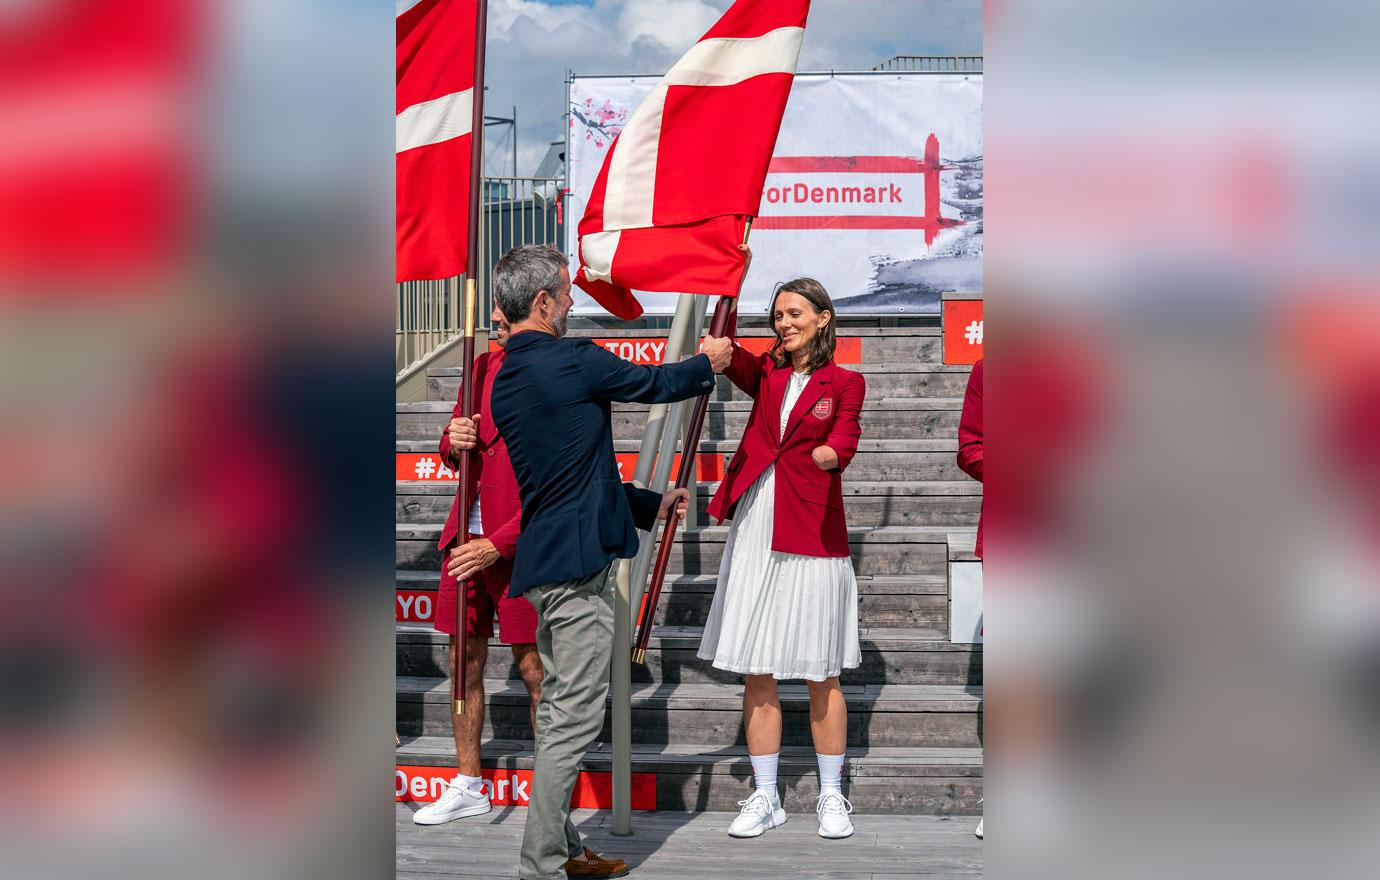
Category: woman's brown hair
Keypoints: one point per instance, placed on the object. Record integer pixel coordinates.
(820, 349)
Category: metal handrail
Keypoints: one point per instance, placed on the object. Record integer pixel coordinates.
(933, 63)
(516, 211)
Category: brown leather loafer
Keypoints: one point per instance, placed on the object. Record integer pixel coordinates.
(594, 865)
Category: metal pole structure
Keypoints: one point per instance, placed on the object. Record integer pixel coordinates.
(458, 678)
(620, 681)
(725, 317)
(514, 141)
(661, 473)
(717, 327)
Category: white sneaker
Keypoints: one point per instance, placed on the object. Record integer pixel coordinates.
(978, 831)
(758, 814)
(832, 810)
(456, 802)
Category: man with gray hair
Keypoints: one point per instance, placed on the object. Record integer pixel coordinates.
(551, 403)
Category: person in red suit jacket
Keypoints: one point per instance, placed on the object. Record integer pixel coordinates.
(483, 565)
(970, 436)
(970, 452)
(786, 605)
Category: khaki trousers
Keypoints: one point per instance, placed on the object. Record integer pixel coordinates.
(574, 639)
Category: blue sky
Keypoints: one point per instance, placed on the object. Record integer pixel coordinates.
(533, 42)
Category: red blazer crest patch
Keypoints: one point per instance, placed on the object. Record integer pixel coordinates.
(824, 408)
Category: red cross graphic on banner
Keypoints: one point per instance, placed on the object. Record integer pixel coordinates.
(931, 221)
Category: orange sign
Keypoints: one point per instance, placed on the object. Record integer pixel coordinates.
(847, 349)
(426, 466)
(650, 351)
(415, 606)
(962, 331)
(708, 468)
(513, 788)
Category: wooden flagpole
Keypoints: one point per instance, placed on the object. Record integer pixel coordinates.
(723, 324)
(459, 675)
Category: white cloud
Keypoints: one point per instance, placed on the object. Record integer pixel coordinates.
(859, 34)
(532, 44)
(673, 24)
(504, 13)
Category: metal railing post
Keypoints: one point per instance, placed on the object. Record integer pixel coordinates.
(427, 313)
(683, 328)
(661, 474)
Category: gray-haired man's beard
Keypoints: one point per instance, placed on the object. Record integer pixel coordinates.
(560, 323)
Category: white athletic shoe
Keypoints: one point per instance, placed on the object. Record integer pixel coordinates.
(758, 814)
(832, 810)
(456, 802)
(978, 830)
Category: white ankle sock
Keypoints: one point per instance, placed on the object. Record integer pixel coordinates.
(764, 773)
(473, 783)
(830, 773)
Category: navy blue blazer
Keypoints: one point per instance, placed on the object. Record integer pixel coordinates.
(551, 404)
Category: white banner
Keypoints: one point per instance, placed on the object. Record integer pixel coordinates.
(965, 603)
(875, 188)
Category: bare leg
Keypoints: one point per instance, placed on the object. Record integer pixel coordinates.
(530, 668)
(469, 725)
(828, 717)
(761, 715)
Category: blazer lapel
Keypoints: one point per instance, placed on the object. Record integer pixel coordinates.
(776, 395)
(488, 431)
(819, 383)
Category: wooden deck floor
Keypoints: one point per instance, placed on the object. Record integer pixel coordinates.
(695, 846)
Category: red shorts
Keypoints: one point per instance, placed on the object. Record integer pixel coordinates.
(485, 594)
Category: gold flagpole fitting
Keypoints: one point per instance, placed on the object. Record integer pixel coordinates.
(469, 307)
(459, 707)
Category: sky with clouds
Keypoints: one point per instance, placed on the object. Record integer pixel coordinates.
(532, 43)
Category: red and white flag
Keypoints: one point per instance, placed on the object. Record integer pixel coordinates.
(669, 207)
(98, 146)
(436, 49)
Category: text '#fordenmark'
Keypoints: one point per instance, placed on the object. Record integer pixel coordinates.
(806, 194)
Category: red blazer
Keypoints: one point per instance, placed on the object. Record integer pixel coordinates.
(970, 436)
(809, 502)
(500, 507)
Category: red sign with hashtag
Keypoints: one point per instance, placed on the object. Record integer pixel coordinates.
(962, 331)
(425, 466)
(428, 467)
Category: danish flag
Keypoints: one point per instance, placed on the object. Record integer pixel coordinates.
(435, 93)
(669, 207)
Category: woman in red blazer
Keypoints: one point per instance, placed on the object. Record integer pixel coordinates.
(786, 605)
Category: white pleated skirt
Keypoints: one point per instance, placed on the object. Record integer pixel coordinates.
(779, 614)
